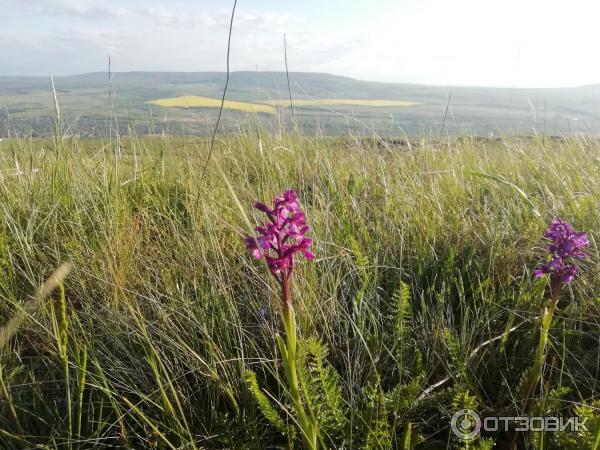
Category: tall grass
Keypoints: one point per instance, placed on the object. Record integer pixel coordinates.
(421, 297)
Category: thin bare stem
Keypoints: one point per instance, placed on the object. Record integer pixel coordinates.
(216, 129)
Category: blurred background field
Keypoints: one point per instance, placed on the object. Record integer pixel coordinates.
(325, 104)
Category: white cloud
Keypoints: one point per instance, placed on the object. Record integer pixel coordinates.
(151, 38)
(509, 42)
(532, 43)
(168, 17)
(92, 9)
(97, 10)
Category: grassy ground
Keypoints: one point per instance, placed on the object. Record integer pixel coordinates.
(424, 255)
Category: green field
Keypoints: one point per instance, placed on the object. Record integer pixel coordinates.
(420, 301)
(344, 102)
(324, 104)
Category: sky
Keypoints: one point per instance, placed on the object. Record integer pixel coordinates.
(508, 43)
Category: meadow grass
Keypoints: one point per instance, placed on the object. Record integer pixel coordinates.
(196, 101)
(420, 302)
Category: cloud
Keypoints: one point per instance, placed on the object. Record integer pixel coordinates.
(90, 9)
(469, 42)
(81, 33)
(169, 17)
(81, 42)
(95, 10)
(509, 43)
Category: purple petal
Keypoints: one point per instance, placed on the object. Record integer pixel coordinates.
(309, 255)
(569, 273)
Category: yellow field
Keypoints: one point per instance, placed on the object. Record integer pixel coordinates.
(342, 102)
(195, 101)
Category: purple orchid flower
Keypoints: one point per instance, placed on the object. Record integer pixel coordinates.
(565, 244)
(282, 237)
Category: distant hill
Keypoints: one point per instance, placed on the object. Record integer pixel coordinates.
(26, 105)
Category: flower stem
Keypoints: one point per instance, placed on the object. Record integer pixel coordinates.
(535, 371)
(308, 427)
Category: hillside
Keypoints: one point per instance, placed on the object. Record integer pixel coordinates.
(26, 105)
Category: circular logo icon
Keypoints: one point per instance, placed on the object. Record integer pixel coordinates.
(466, 424)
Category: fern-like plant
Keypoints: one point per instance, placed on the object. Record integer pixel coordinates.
(321, 387)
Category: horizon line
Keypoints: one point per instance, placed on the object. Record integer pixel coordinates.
(434, 85)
